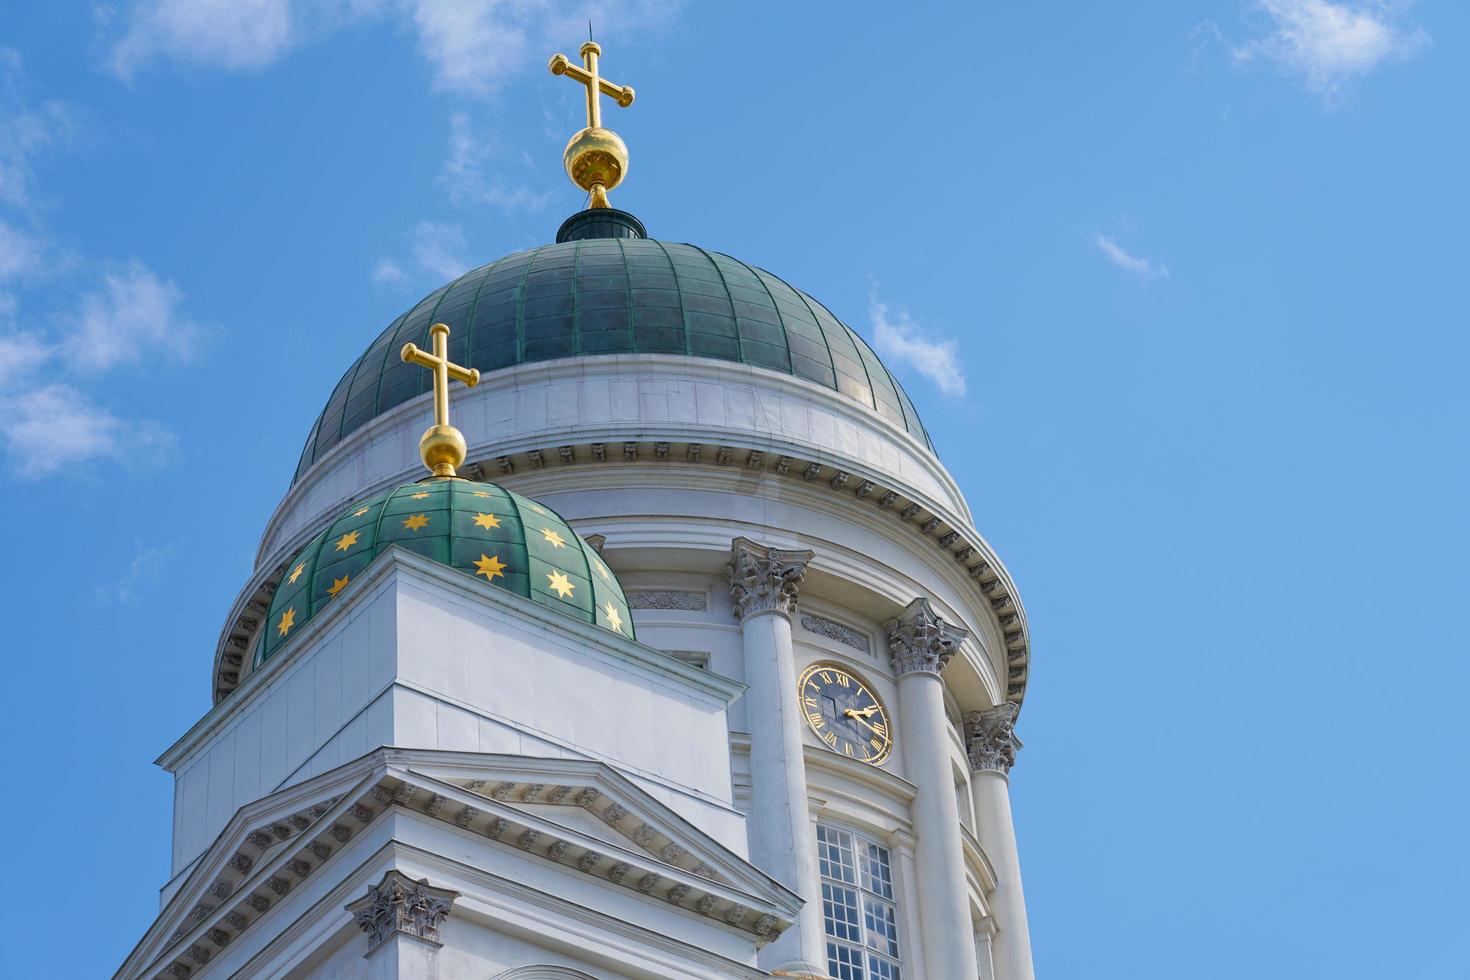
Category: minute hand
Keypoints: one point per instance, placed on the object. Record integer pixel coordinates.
(859, 718)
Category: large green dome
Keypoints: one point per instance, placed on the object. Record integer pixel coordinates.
(480, 528)
(614, 296)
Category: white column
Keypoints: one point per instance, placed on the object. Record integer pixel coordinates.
(901, 844)
(921, 644)
(402, 918)
(990, 738)
(763, 590)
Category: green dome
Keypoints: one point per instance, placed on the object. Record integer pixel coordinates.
(480, 528)
(614, 296)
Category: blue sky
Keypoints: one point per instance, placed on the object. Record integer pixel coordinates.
(1179, 288)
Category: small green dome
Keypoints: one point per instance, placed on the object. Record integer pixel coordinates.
(480, 528)
(608, 296)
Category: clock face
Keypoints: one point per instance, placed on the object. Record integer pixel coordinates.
(844, 714)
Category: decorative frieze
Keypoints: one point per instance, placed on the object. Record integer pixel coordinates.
(990, 738)
(536, 459)
(649, 882)
(764, 579)
(588, 861)
(398, 904)
(920, 641)
(599, 452)
(692, 452)
(558, 849)
(674, 853)
(834, 630)
(568, 455)
(618, 872)
(705, 904)
(665, 599)
(588, 796)
(678, 893)
(723, 454)
(661, 450)
(643, 836)
(341, 833)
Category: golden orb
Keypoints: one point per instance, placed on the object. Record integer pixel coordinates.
(443, 449)
(597, 161)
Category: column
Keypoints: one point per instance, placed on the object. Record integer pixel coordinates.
(990, 738)
(401, 918)
(921, 644)
(763, 589)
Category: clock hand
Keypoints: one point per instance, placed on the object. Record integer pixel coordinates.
(865, 712)
(864, 722)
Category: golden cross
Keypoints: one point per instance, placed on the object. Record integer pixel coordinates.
(587, 75)
(442, 446)
(596, 159)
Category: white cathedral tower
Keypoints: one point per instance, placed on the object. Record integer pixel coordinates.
(715, 679)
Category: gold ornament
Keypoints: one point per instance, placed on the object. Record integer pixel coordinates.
(596, 159)
(442, 445)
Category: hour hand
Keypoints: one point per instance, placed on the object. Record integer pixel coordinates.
(855, 713)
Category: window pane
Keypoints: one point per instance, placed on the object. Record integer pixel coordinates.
(840, 913)
(844, 962)
(834, 855)
(882, 969)
(877, 878)
(881, 932)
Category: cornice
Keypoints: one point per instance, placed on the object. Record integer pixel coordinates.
(945, 531)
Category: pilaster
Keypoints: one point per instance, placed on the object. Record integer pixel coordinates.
(402, 918)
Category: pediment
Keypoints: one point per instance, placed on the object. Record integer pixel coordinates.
(577, 813)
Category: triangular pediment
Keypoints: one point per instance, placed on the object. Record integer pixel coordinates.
(577, 813)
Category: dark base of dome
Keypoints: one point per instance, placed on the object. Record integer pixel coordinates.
(600, 223)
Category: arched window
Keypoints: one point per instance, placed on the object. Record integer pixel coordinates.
(544, 972)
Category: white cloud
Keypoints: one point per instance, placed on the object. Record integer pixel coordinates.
(472, 45)
(231, 34)
(20, 252)
(468, 175)
(142, 572)
(26, 130)
(135, 312)
(56, 427)
(21, 353)
(899, 339)
(440, 249)
(1330, 44)
(1118, 256)
(390, 272)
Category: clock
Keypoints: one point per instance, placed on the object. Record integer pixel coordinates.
(844, 714)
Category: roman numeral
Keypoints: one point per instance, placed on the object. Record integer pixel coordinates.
(843, 679)
(876, 744)
(809, 702)
(826, 677)
(831, 739)
(815, 718)
(880, 728)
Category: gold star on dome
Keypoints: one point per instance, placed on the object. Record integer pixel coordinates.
(537, 509)
(601, 570)
(479, 493)
(613, 619)
(296, 573)
(490, 566)
(416, 521)
(360, 511)
(560, 584)
(347, 541)
(553, 538)
(338, 584)
(418, 496)
(288, 620)
(486, 521)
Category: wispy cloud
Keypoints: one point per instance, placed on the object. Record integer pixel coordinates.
(141, 574)
(1120, 257)
(472, 46)
(900, 340)
(133, 311)
(1329, 45)
(470, 174)
(437, 250)
(230, 34)
(47, 422)
(52, 427)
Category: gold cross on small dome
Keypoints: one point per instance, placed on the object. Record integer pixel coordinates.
(596, 159)
(442, 446)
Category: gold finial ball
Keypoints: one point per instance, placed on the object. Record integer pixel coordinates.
(596, 156)
(443, 449)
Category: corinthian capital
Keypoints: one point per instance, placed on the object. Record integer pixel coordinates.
(990, 738)
(920, 640)
(764, 579)
(400, 904)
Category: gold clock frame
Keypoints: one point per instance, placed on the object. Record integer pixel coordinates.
(846, 671)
